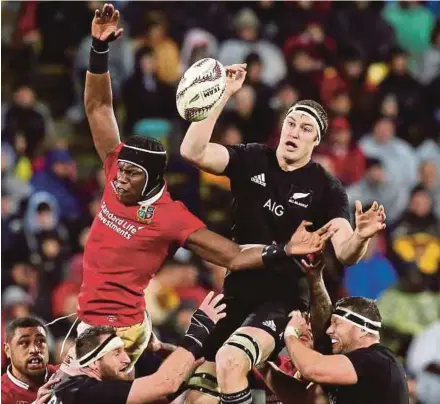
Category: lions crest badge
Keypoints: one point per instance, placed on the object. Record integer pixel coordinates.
(145, 214)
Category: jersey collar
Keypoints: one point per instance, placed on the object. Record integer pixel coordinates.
(18, 382)
(153, 198)
(14, 380)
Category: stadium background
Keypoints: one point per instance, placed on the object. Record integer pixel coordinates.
(375, 66)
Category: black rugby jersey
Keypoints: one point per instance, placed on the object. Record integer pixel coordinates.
(268, 206)
(381, 379)
(83, 389)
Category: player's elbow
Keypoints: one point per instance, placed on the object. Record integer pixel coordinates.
(312, 373)
(190, 155)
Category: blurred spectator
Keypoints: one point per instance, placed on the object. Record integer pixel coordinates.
(13, 187)
(428, 66)
(254, 78)
(197, 44)
(27, 118)
(423, 363)
(163, 293)
(352, 26)
(415, 237)
(429, 179)
(315, 41)
(347, 158)
(379, 185)
(166, 51)
(304, 73)
(16, 303)
(349, 76)
(398, 157)
(58, 179)
(235, 50)
(406, 309)
(253, 126)
(144, 94)
(373, 274)
(412, 24)
(406, 89)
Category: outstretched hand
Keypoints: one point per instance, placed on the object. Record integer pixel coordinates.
(235, 76)
(211, 308)
(304, 242)
(105, 24)
(370, 222)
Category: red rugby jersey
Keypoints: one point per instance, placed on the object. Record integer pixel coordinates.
(125, 248)
(14, 391)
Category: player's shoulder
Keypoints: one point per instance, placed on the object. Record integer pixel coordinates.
(322, 175)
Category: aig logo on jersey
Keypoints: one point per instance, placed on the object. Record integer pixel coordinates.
(301, 198)
(274, 207)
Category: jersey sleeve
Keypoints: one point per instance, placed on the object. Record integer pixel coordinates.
(111, 160)
(111, 391)
(241, 158)
(336, 201)
(184, 223)
(367, 363)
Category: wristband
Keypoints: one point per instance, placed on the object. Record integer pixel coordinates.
(98, 56)
(273, 253)
(199, 329)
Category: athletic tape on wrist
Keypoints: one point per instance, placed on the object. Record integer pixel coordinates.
(292, 331)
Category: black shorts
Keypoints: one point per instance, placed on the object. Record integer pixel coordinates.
(271, 316)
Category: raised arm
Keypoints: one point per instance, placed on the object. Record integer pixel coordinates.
(182, 362)
(196, 147)
(98, 99)
(320, 302)
(350, 246)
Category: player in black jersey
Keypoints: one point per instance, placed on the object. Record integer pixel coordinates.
(361, 370)
(101, 377)
(274, 191)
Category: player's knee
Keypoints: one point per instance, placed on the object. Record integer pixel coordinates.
(197, 397)
(231, 362)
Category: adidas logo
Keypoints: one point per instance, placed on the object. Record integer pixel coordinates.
(259, 179)
(270, 324)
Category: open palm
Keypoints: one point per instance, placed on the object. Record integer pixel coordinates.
(304, 242)
(370, 222)
(105, 24)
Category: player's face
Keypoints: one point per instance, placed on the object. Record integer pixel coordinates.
(343, 335)
(298, 137)
(130, 181)
(114, 365)
(28, 352)
(307, 337)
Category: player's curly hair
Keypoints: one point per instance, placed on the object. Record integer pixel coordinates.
(320, 111)
(145, 142)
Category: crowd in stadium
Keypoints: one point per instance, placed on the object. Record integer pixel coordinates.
(375, 66)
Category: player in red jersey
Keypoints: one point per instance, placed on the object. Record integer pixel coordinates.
(26, 347)
(139, 225)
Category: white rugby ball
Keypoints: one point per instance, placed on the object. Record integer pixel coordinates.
(200, 89)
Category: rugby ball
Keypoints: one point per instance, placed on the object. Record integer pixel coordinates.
(200, 89)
